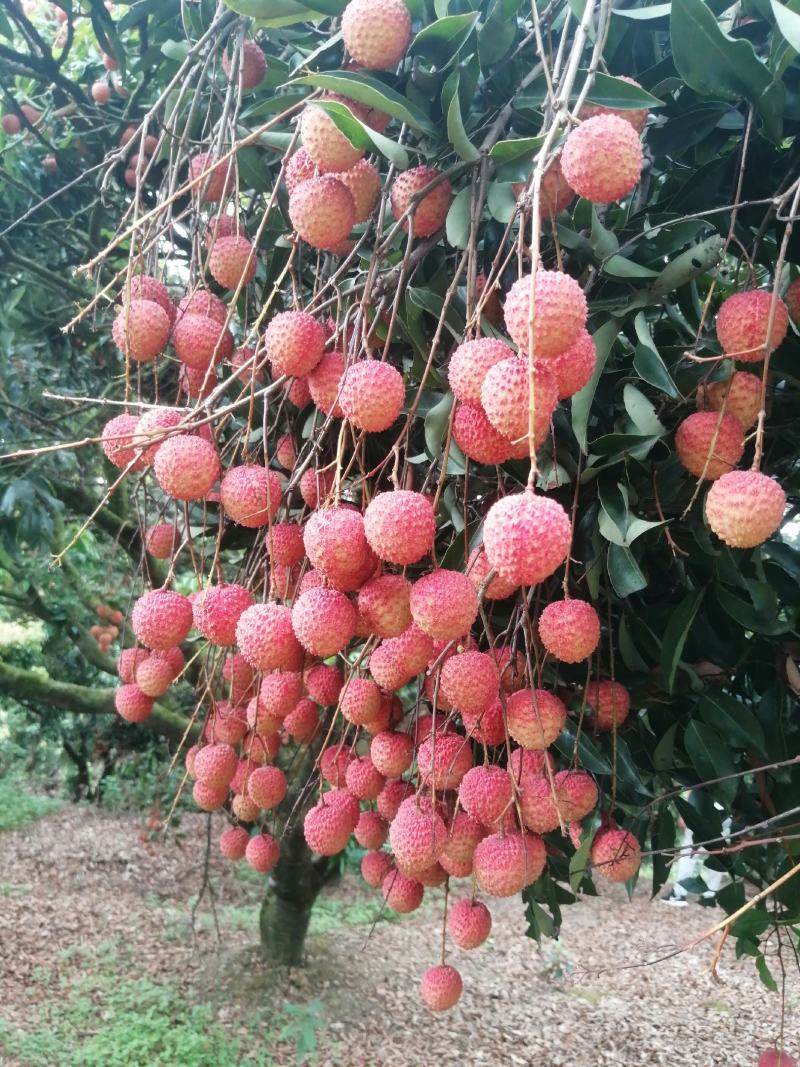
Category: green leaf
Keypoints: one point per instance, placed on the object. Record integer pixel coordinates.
(278, 13)
(604, 338)
(442, 40)
(362, 136)
(676, 633)
(788, 23)
(619, 94)
(733, 720)
(436, 422)
(711, 759)
(624, 572)
(644, 14)
(714, 64)
(589, 755)
(369, 91)
(749, 617)
(663, 837)
(689, 265)
(176, 50)
(663, 754)
(642, 412)
(456, 132)
(457, 224)
(620, 267)
(501, 202)
(647, 363)
(603, 241)
(762, 966)
(579, 863)
(504, 152)
(498, 33)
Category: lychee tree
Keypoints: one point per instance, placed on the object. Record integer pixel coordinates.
(453, 402)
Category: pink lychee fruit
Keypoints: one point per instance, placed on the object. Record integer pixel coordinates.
(315, 485)
(477, 438)
(709, 444)
(740, 395)
(324, 683)
(505, 397)
(218, 611)
(233, 842)
(392, 752)
(535, 717)
(560, 312)
(267, 787)
(371, 830)
(141, 330)
(372, 395)
(161, 619)
(417, 835)
(333, 764)
(186, 468)
(526, 537)
(251, 68)
(215, 765)
(745, 508)
(441, 987)
(232, 262)
(363, 779)
(469, 923)
(400, 893)
(376, 32)
(602, 159)
(443, 760)
(616, 854)
(470, 681)
(324, 620)
(145, 287)
(302, 723)
(570, 630)
(298, 169)
(364, 184)
(250, 495)
(463, 835)
(443, 604)
(325, 382)
(132, 704)
(217, 181)
(478, 568)
(295, 342)
(375, 866)
(323, 212)
(503, 864)
(575, 366)
(383, 602)
(742, 323)
(428, 214)
(155, 675)
(117, 443)
(609, 702)
(262, 852)
(360, 701)
(162, 540)
(324, 142)
(485, 792)
(469, 365)
(400, 526)
(637, 117)
(266, 638)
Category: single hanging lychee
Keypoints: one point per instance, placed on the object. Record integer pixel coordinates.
(745, 508)
(376, 33)
(602, 159)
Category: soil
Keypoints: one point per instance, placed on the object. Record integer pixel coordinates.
(81, 880)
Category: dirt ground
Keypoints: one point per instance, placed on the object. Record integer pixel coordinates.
(81, 885)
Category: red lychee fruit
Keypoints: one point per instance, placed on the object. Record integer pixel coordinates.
(335, 543)
(132, 704)
(526, 537)
(363, 779)
(117, 443)
(745, 508)
(323, 684)
(246, 365)
(602, 159)
(129, 659)
(203, 304)
(252, 65)
(361, 701)
(740, 395)
(208, 797)
(400, 893)
(200, 341)
(155, 675)
(709, 444)
(637, 117)
(11, 124)
(233, 842)
(535, 717)
(323, 212)
(742, 323)
(577, 794)
(428, 214)
(302, 723)
(250, 495)
(186, 468)
(443, 604)
(333, 764)
(217, 183)
(505, 394)
(239, 675)
(384, 604)
(477, 438)
(267, 787)
(470, 681)
(575, 366)
(486, 794)
(372, 395)
(390, 714)
(161, 619)
(376, 32)
(503, 864)
(315, 485)
(144, 287)
(327, 827)
(487, 726)
(197, 383)
(397, 659)
(524, 763)
(555, 193)
(792, 299)
(771, 1057)
(162, 540)
(325, 381)
(570, 630)
(469, 923)
(324, 142)
(478, 568)
(392, 796)
(371, 830)
(215, 765)
(266, 638)
(540, 806)
(441, 987)
(560, 312)
(400, 526)
(374, 868)
(417, 835)
(324, 620)
(218, 610)
(443, 760)
(284, 542)
(262, 852)
(244, 808)
(279, 692)
(153, 428)
(463, 835)
(392, 752)
(295, 342)
(364, 184)
(101, 93)
(141, 330)
(298, 169)
(232, 262)
(616, 854)
(469, 365)
(610, 703)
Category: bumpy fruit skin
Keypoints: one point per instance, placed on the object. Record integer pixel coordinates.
(215, 185)
(324, 684)
(141, 330)
(153, 426)
(443, 760)
(441, 987)
(616, 854)
(430, 212)
(144, 287)
(478, 568)
(363, 779)
(284, 543)
(505, 398)
(560, 312)
(233, 842)
(745, 508)
(325, 144)
(397, 659)
(555, 194)
(392, 752)
(266, 638)
(208, 797)
(325, 381)
(231, 262)
(302, 723)
(364, 184)
(201, 340)
(252, 65)
(219, 609)
(337, 548)
(443, 604)
(577, 794)
(372, 395)
(262, 852)
(637, 117)
(742, 325)
(535, 718)
(575, 366)
(376, 32)
(485, 793)
(11, 124)
(267, 787)
(295, 342)
(327, 827)
(132, 704)
(117, 442)
(375, 866)
(204, 304)
(400, 526)
(161, 619)
(503, 865)
(602, 159)
(250, 495)
(470, 681)
(771, 1057)
(417, 836)
(695, 436)
(570, 630)
(401, 893)
(383, 602)
(155, 675)
(526, 537)
(324, 620)
(298, 169)
(792, 299)
(371, 830)
(740, 395)
(186, 467)
(610, 703)
(361, 701)
(323, 212)
(315, 485)
(477, 438)
(215, 765)
(469, 923)
(469, 365)
(129, 660)
(537, 805)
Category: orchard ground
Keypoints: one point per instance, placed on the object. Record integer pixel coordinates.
(98, 965)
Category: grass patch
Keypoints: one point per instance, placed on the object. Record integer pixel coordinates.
(19, 808)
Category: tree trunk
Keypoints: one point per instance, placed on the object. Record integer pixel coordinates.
(286, 911)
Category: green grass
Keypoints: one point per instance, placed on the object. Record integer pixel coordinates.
(19, 808)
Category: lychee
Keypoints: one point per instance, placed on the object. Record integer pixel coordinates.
(616, 854)
(233, 842)
(742, 323)
(267, 787)
(324, 683)
(129, 659)
(336, 546)
(374, 868)
(503, 864)
(470, 681)
(232, 262)
(302, 723)
(376, 32)
(262, 852)
(209, 797)
(154, 675)
(384, 604)
(505, 398)
(132, 704)
(539, 805)
(284, 543)
(443, 604)
(141, 330)
(417, 835)
(186, 468)
(469, 923)
(371, 830)
(204, 304)
(363, 779)
(441, 987)
(361, 700)
(397, 659)
(637, 117)
(333, 764)
(400, 893)
(570, 630)
(555, 192)
(485, 793)
(610, 703)
(324, 383)
(478, 568)
(740, 395)
(217, 183)
(487, 726)
(144, 287)
(250, 495)
(709, 444)
(443, 760)
(364, 184)
(327, 827)
(463, 835)
(251, 68)
(469, 365)
(200, 340)
(324, 142)
(428, 214)
(745, 508)
(771, 1057)
(215, 765)
(279, 692)
(372, 395)
(323, 212)
(535, 717)
(266, 638)
(298, 169)
(392, 752)
(400, 526)
(477, 438)
(526, 537)
(324, 620)
(575, 366)
(117, 443)
(295, 342)
(559, 313)
(217, 612)
(315, 485)
(577, 794)
(161, 619)
(602, 159)
(154, 427)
